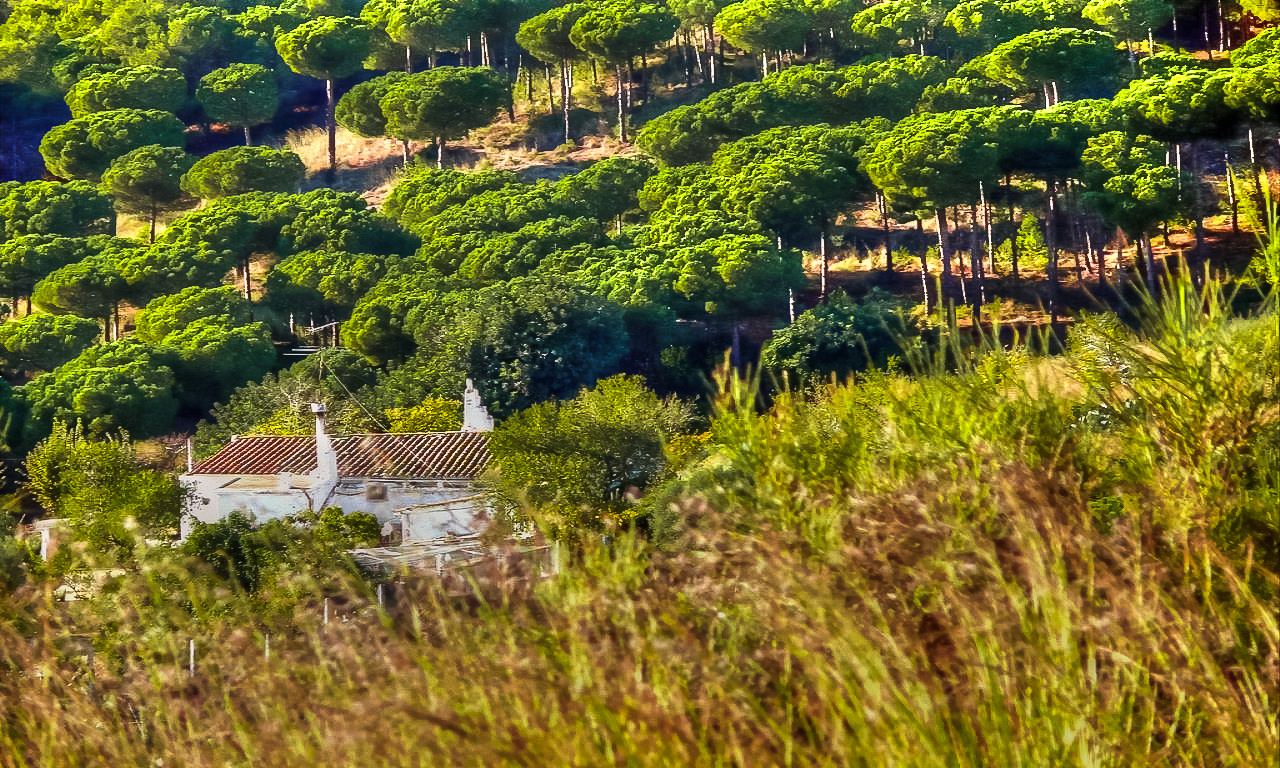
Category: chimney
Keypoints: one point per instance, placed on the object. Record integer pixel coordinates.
(475, 417)
(326, 457)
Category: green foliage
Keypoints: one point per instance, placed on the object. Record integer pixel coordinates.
(547, 35)
(1082, 63)
(109, 498)
(326, 48)
(148, 180)
(238, 553)
(312, 280)
(424, 192)
(279, 402)
(169, 314)
(839, 338)
(1184, 105)
(539, 339)
(607, 189)
(360, 109)
(43, 342)
(1255, 91)
(804, 95)
(765, 26)
(91, 287)
(381, 328)
(125, 385)
(242, 94)
(1139, 200)
(239, 170)
(1129, 19)
(521, 252)
(1260, 50)
(433, 414)
(617, 32)
(217, 356)
(888, 26)
(327, 220)
(936, 160)
(736, 275)
(332, 527)
(72, 209)
(426, 25)
(963, 93)
(1030, 239)
(128, 88)
(581, 464)
(444, 103)
(84, 147)
(28, 259)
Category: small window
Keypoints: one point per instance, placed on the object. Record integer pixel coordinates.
(375, 492)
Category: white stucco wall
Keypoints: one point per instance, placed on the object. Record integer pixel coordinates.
(267, 497)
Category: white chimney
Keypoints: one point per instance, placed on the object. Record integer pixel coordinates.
(475, 417)
(326, 475)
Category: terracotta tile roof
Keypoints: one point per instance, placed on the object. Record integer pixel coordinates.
(420, 455)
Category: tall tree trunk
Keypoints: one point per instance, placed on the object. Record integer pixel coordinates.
(924, 264)
(1013, 221)
(711, 51)
(244, 271)
(986, 225)
(979, 291)
(884, 227)
(551, 96)
(565, 97)
(405, 152)
(631, 102)
(154, 214)
(824, 251)
(1051, 245)
(944, 251)
(622, 112)
(1208, 45)
(248, 137)
(408, 60)
(439, 152)
(1256, 170)
(1231, 192)
(1151, 263)
(1097, 254)
(735, 350)
(332, 125)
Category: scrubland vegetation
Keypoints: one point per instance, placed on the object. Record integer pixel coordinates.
(876, 383)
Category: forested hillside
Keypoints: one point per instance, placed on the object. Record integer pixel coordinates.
(896, 382)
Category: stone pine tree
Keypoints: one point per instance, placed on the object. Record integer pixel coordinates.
(546, 36)
(444, 103)
(85, 146)
(424, 25)
(147, 181)
(619, 32)
(242, 95)
(327, 48)
(128, 88)
(360, 109)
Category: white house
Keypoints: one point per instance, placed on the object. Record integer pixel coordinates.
(419, 485)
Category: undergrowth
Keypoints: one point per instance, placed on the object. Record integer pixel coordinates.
(994, 560)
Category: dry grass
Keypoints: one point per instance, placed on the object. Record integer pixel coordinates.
(996, 562)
